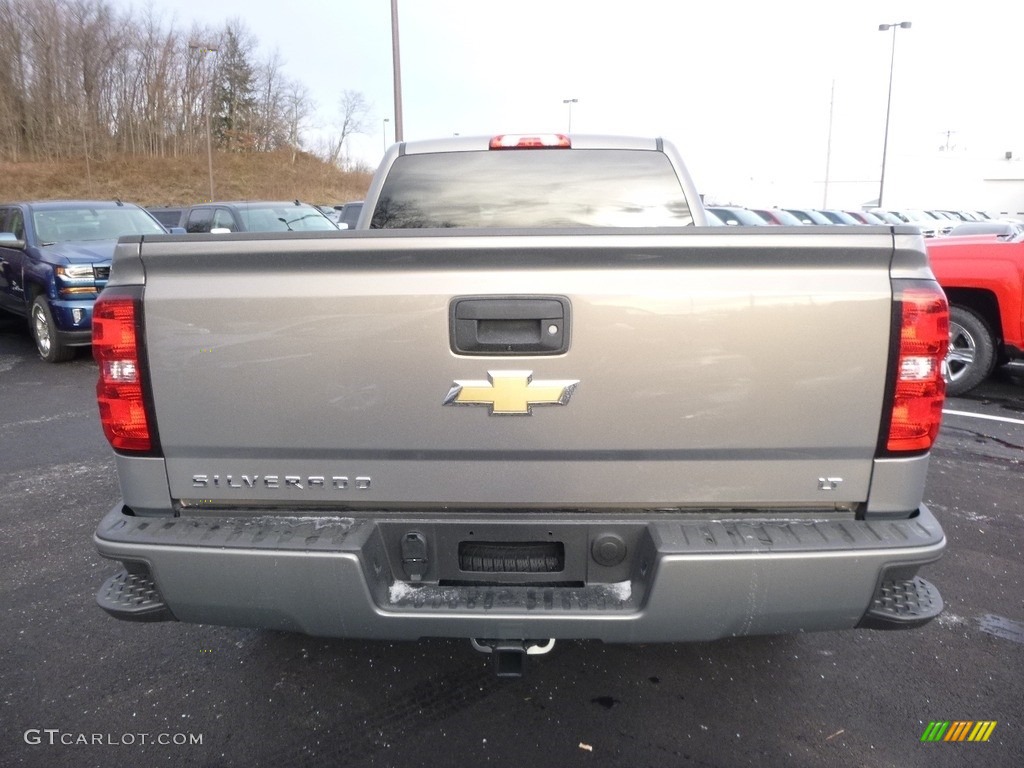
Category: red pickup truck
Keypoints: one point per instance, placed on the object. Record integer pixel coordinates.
(983, 277)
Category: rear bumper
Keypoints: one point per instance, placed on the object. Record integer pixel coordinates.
(678, 579)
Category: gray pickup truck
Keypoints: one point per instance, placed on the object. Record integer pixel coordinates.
(530, 397)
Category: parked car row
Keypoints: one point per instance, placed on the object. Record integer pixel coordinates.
(931, 222)
(257, 216)
(245, 216)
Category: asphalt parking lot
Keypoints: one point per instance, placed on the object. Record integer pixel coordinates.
(81, 689)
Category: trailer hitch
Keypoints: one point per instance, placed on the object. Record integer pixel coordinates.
(510, 655)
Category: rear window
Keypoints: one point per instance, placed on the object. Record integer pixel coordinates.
(532, 188)
(284, 218)
(350, 214)
(199, 220)
(169, 217)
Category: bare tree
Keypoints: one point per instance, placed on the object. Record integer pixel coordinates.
(299, 106)
(194, 88)
(14, 118)
(94, 37)
(272, 118)
(355, 114)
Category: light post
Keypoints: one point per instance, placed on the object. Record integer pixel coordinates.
(396, 65)
(570, 102)
(828, 145)
(384, 131)
(888, 106)
(205, 49)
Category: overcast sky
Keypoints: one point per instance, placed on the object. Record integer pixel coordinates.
(743, 88)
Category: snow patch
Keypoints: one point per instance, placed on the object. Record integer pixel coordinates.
(621, 590)
(291, 521)
(947, 619)
(67, 415)
(400, 590)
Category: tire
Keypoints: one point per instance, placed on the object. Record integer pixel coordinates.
(44, 333)
(972, 351)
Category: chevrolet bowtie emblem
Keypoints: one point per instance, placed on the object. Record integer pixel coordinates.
(511, 393)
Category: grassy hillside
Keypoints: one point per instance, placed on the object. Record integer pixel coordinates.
(184, 180)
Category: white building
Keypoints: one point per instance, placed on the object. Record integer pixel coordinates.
(939, 179)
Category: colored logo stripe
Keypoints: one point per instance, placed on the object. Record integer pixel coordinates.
(958, 730)
(982, 731)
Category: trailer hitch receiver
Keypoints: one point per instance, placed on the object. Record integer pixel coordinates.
(510, 655)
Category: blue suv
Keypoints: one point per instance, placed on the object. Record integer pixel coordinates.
(54, 260)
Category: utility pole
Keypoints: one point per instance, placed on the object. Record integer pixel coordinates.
(570, 102)
(205, 49)
(888, 104)
(397, 66)
(828, 146)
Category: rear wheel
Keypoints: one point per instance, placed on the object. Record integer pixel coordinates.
(44, 333)
(972, 351)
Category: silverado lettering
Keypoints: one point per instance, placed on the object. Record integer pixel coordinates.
(277, 481)
(715, 475)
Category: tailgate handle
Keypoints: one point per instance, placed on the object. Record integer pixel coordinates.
(509, 325)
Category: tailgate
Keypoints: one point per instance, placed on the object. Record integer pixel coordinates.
(703, 369)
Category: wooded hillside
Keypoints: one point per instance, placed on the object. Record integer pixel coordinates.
(83, 79)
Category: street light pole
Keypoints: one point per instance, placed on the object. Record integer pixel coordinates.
(570, 102)
(828, 145)
(397, 67)
(888, 106)
(205, 49)
(384, 132)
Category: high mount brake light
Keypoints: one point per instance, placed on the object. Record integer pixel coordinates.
(535, 141)
(917, 387)
(120, 391)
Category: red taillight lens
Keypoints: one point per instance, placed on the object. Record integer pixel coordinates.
(919, 387)
(119, 391)
(536, 141)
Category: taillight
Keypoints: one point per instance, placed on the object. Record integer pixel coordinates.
(121, 389)
(917, 387)
(535, 141)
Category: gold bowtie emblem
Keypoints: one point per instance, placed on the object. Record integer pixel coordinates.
(511, 393)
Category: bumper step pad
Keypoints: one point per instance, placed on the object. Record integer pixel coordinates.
(903, 604)
(132, 597)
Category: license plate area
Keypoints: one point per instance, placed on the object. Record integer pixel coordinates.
(555, 553)
(511, 556)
